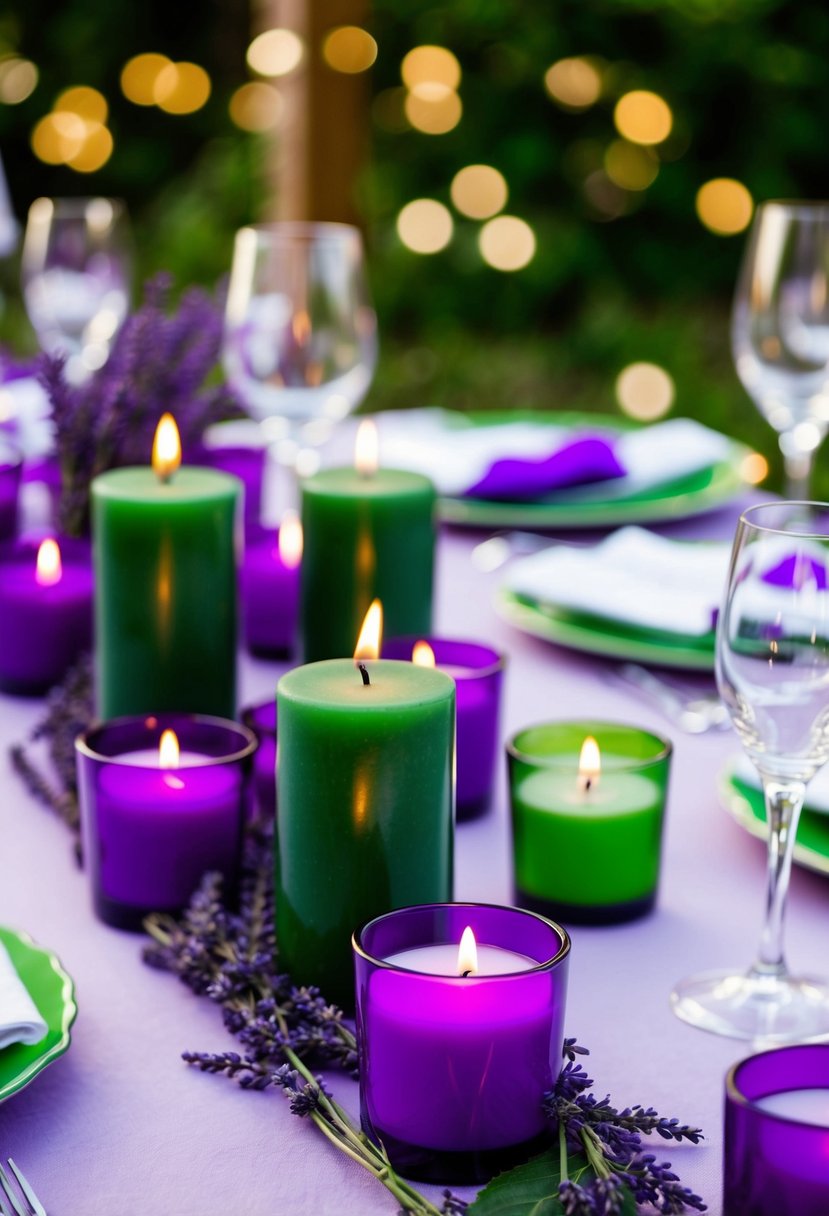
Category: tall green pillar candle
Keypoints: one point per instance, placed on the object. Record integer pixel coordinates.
(365, 820)
(587, 831)
(165, 591)
(367, 534)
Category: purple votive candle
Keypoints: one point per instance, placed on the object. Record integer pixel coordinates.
(158, 813)
(270, 588)
(456, 1048)
(478, 674)
(45, 612)
(777, 1133)
(11, 464)
(261, 719)
(237, 448)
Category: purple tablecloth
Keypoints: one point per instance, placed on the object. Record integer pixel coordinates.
(119, 1126)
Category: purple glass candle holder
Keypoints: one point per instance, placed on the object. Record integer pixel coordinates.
(261, 719)
(453, 1066)
(11, 466)
(777, 1133)
(152, 828)
(478, 671)
(244, 460)
(270, 589)
(45, 614)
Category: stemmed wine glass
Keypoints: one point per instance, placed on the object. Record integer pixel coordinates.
(76, 271)
(300, 336)
(780, 329)
(773, 674)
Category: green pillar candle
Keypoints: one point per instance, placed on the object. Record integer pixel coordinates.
(366, 535)
(365, 819)
(165, 591)
(587, 839)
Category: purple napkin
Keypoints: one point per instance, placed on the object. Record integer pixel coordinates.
(579, 461)
(795, 571)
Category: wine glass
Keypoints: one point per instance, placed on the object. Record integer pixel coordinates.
(773, 674)
(780, 330)
(300, 335)
(76, 270)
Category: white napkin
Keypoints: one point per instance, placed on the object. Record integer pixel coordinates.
(817, 791)
(20, 1021)
(634, 577)
(455, 453)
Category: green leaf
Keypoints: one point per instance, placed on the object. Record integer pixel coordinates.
(532, 1189)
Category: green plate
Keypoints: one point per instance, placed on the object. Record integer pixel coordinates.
(53, 992)
(745, 804)
(598, 635)
(700, 491)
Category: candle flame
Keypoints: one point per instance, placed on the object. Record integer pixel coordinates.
(367, 448)
(468, 953)
(371, 633)
(168, 750)
(590, 764)
(166, 447)
(48, 569)
(290, 540)
(423, 655)
(301, 327)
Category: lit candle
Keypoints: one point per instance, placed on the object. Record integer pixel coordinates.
(270, 589)
(365, 803)
(165, 595)
(369, 533)
(45, 613)
(460, 1024)
(587, 818)
(162, 801)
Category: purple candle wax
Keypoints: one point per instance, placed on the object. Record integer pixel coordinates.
(261, 719)
(11, 463)
(45, 612)
(453, 1066)
(270, 588)
(478, 674)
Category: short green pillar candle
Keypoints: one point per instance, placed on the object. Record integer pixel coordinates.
(587, 828)
(365, 820)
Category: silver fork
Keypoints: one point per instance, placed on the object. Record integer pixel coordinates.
(694, 715)
(24, 1204)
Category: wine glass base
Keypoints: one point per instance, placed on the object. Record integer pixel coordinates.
(765, 1009)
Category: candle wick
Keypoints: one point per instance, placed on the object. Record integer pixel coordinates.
(588, 784)
(364, 673)
(466, 973)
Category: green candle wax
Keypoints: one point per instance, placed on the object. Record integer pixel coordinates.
(366, 536)
(165, 591)
(365, 818)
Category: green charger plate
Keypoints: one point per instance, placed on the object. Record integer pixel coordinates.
(53, 992)
(601, 636)
(745, 804)
(589, 507)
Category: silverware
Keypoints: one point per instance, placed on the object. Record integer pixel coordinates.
(695, 715)
(26, 1203)
(490, 554)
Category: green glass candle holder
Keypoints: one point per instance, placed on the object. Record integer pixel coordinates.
(587, 836)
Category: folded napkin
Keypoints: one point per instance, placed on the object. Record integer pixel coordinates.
(20, 1021)
(817, 791)
(633, 577)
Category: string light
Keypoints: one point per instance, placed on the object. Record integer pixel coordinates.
(645, 391)
(643, 117)
(574, 83)
(479, 191)
(349, 49)
(724, 206)
(433, 116)
(425, 226)
(138, 77)
(18, 79)
(181, 88)
(256, 106)
(507, 243)
(430, 69)
(276, 52)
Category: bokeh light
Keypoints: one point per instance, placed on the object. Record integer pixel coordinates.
(507, 243)
(427, 68)
(58, 136)
(181, 88)
(754, 468)
(349, 49)
(388, 109)
(724, 206)
(643, 117)
(433, 116)
(425, 226)
(573, 83)
(630, 166)
(95, 150)
(645, 391)
(256, 106)
(18, 80)
(479, 191)
(83, 100)
(138, 77)
(275, 52)
(607, 200)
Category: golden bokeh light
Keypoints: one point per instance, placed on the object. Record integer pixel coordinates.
(425, 226)
(18, 80)
(573, 83)
(479, 191)
(606, 199)
(507, 243)
(433, 117)
(724, 206)
(181, 88)
(138, 77)
(349, 49)
(256, 106)
(630, 166)
(95, 150)
(643, 117)
(58, 137)
(275, 52)
(645, 391)
(83, 100)
(426, 66)
(754, 468)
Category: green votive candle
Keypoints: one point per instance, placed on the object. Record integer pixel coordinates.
(369, 533)
(365, 797)
(588, 801)
(165, 589)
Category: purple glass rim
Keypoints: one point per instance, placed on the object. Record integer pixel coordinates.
(779, 1070)
(261, 717)
(628, 763)
(491, 660)
(520, 915)
(123, 734)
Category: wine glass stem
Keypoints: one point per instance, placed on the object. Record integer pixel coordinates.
(798, 475)
(783, 803)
